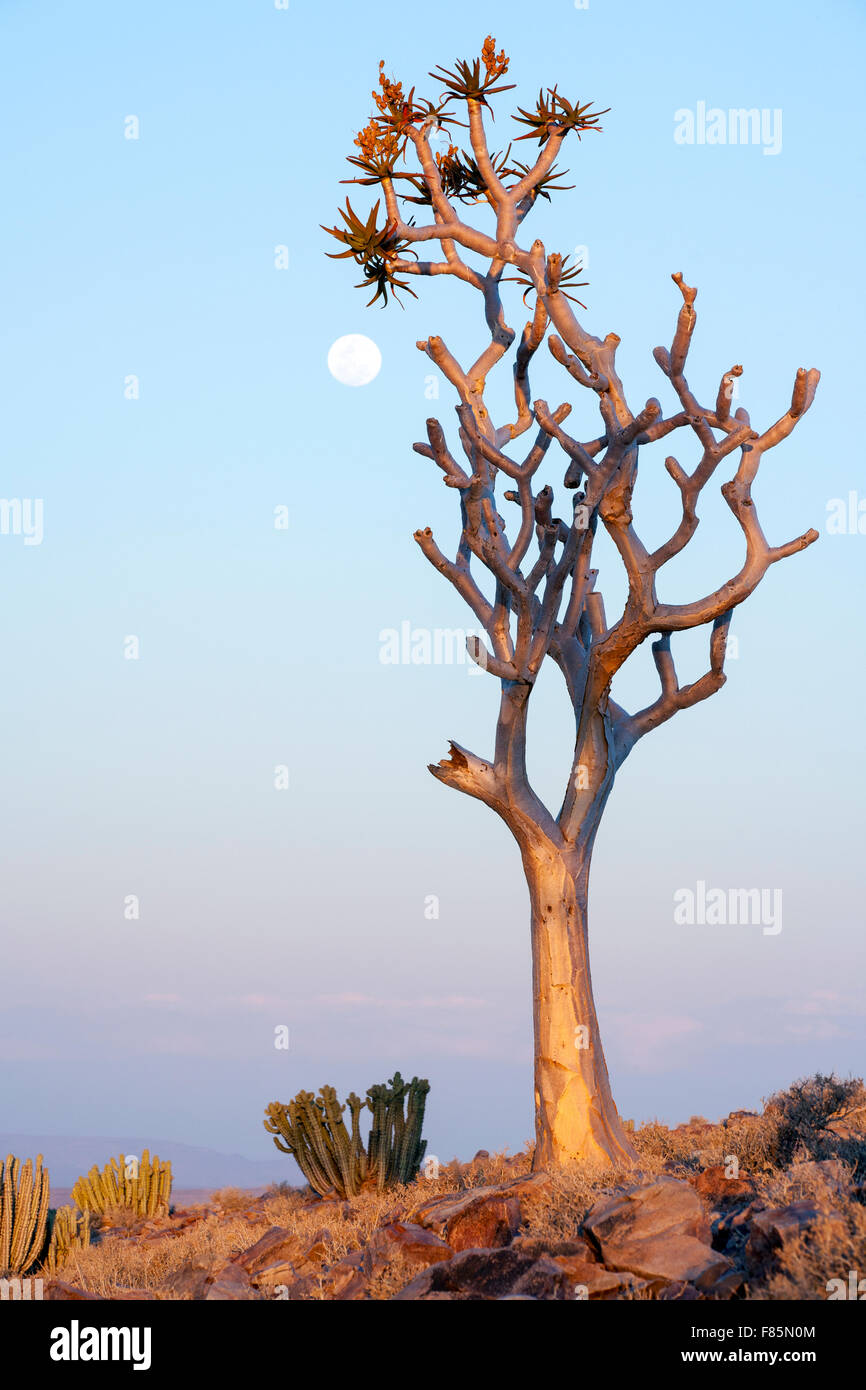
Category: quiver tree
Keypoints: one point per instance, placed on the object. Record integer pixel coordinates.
(540, 597)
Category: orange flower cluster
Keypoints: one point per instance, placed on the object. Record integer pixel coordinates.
(390, 98)
(367, 140)
(495, 63)
(371, 141)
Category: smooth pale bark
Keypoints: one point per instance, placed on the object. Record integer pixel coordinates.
(575, 1115)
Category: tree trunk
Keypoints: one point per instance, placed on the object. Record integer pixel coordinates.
(575, 1116)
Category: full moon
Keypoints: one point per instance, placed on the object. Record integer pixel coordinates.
(354, 360)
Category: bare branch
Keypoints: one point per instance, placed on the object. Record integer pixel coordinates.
(458, 575)
(675, 697)
(438, 450)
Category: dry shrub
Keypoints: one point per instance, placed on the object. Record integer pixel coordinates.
(753, 1140)
(282, 1189)
(782, 1187)
(804, 1113)
(484, 1172)
(233, 1198)
(807, 1264)
(116, 1218)
(658, 1145)
(797, 1123)
(851, 1152)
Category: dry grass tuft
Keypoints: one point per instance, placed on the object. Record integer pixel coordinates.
(120, 1263)
(556, 1214)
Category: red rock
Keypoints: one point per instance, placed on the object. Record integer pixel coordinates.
(291, 1290)
(719, 1190)
(680, 1293)
(664, 1206)
(414, 1243)
(190, 1281)
(545, 1245)
(727, 1285)
(277, 1243)
(670, 1259)
(347, 1278)
(777, 1227)
(280, 1272)
(529, 1185)
(590, 1280)
(354, 1289)
(314, 1252)
(480, 1217)
(486, 1275)
(58, 1290)
(278, 1247)
(545, 1279)
(490, 1222)
(658, 1231)
(229, 1284)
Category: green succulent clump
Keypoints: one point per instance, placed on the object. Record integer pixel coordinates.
(334, 1158)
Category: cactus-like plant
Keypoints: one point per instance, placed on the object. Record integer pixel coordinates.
(23, 1214)
(333, 1158)
(330, 1157)
(395, 1139)
(70, 1230)
(145, 1190)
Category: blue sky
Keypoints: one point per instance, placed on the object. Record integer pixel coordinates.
(155, 777)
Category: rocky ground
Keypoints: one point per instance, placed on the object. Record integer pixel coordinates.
(708, 1216)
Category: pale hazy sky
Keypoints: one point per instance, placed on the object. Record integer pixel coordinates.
(154, 777)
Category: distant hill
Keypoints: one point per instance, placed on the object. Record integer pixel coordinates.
(67, 1157)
